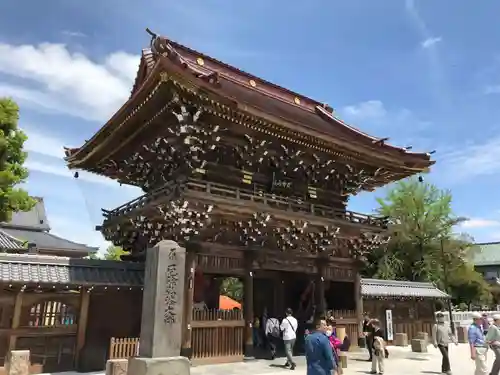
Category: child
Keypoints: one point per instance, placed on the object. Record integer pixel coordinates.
(378, 355)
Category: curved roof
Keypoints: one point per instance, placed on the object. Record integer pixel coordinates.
(396, 288)
(250, 94)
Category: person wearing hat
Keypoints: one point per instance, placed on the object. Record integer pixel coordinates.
(478, 345)
(442, 336)
(493, 340)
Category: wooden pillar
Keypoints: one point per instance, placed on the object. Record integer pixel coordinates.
(248, 305)
(16, 318)
(187, 332)
(358, 300)
(82, 324)
(319, 290)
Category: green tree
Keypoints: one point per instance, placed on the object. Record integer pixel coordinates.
(468, 286)
(423, 245)
(233, 288)
(12, 158)
(114, 253)
(419, 215)
(93, 256)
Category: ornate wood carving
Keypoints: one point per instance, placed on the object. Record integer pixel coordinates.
(253, 231)
(360, 247)
(178, 220)
(185, 142)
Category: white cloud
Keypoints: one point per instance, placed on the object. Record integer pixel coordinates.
(73, 34)
(472, 160)
(480, 223)
(371, 109)
(62, 171)
(494, 89)
(43, 144)
(429, 42)
(57, 80)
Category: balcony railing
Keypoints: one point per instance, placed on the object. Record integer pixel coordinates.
(235, 193)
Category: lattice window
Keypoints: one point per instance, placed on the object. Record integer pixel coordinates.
(51, 313)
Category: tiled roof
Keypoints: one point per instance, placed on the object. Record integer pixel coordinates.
(486, 254)
(45, 240)
(7, 242)
(36, 218)
(40, 269)
(395, 288)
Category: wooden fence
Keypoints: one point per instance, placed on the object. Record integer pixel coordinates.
(123, 347)
(217, 336)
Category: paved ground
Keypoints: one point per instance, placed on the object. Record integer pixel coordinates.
(401, 362)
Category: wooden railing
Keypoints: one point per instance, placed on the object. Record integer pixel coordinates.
(344, 314)
(271, 200)
(214, 262)
(217, 336)
(123, 348)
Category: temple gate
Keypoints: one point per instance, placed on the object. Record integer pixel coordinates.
(252, 180)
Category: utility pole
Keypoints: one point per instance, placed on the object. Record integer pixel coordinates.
(446, 286)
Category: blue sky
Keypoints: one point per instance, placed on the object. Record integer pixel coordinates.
(424, 73)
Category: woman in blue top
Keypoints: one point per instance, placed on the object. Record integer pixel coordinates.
(319, 355)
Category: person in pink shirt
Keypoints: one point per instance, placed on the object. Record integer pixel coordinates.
(336, 344)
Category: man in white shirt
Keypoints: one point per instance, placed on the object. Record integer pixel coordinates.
(272, 333)
(289, 328)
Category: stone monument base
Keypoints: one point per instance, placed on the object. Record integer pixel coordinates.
(159, 366)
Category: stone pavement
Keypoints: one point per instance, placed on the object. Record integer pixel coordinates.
(401, 362)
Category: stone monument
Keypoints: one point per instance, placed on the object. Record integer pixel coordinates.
(162, 311)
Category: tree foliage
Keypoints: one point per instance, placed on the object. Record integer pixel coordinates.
(233, 288)
(12, 158)
(114, 253)
(423, 245)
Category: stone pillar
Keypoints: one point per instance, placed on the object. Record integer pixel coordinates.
(162, 313)
(191, 258)
(18, 362)
(358, 299)
(248, 305)
(319, 290)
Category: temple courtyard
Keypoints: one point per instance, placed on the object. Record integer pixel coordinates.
(401, 362)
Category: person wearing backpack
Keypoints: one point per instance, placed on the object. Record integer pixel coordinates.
(272, 333)
(289, 327)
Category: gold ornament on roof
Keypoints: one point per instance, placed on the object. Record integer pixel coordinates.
(200, 61)
(252, 83)
(296, 100)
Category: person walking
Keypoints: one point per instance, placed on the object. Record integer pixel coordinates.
(289, 327)
(477, 344)
(442, 336)
(493, 340)
(319, 354)
(272, 332)
(368, 333)
(485, 323)
(378, 348)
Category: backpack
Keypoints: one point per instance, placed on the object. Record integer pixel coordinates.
(275, 329)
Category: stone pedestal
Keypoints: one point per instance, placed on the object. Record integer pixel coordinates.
(163, 301)
(418, 346)
(116, 367)
(462, 335)
(423, 336)
(159, 366)
(401, 339)
(18, 362)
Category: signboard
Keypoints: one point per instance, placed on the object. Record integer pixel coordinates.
(388, 324)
